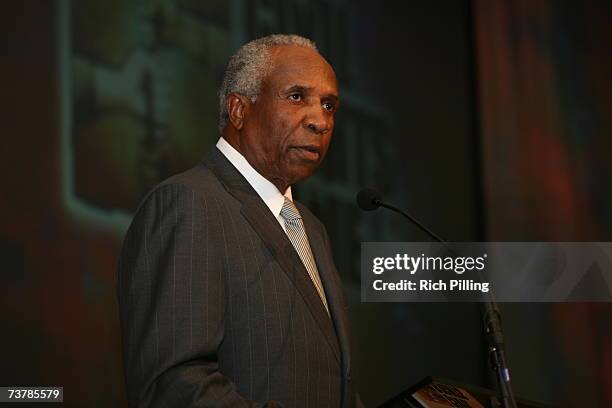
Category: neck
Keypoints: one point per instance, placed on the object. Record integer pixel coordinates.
(280, 184)
(233, 139)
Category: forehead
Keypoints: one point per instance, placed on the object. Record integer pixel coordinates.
(295, 65)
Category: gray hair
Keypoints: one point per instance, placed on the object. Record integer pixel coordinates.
(248, 67)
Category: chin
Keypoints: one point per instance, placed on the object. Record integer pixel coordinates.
(299, 176)
(300, 171)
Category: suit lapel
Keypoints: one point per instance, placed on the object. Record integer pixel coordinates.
(333, 288)
(271, 233)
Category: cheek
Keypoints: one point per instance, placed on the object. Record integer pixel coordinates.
(327, 140)
(286, 133)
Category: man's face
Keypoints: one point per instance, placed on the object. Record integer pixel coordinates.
(287, 130)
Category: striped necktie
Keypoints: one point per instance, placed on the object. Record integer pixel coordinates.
(297, 235)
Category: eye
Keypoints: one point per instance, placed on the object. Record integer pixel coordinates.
(296, 97)
(328, 106)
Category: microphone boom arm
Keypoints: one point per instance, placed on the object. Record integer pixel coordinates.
(491, 313)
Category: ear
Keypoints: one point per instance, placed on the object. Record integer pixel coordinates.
(237, 109)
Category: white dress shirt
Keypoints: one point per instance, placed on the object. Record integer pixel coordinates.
(266, 190)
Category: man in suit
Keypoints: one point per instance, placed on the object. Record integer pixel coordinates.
(228, 293)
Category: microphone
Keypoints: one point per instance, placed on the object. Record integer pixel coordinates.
(369, 199)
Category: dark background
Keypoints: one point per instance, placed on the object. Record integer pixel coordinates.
(490, 120)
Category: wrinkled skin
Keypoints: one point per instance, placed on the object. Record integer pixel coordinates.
(286, 132)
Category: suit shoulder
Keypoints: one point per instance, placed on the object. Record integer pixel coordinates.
(198, 181)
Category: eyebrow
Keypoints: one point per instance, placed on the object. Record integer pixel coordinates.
(305, 89)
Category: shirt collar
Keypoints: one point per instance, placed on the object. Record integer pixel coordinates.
(264, 188)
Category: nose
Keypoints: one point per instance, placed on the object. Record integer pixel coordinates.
(317, 122)
(315, 128)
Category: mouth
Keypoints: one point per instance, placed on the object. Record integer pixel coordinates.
(308, 152)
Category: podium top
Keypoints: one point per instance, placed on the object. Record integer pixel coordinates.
(436, 392)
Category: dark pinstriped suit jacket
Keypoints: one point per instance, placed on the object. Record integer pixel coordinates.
(216, 307)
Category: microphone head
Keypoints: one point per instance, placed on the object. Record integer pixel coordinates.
(369, 199)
